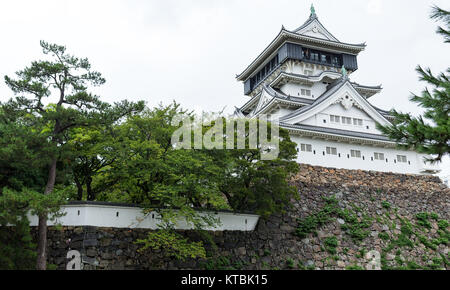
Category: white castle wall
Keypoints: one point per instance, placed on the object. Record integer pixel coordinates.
(113, 216)
(415, 164)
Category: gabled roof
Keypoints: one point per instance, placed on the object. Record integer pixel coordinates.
(316, 27)
(329, 97)
(367, 91)
(272, 97)
(288, 36)
(330, 90)
(238, 113)
(312, 32)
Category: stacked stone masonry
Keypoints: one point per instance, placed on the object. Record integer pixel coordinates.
(386, 199)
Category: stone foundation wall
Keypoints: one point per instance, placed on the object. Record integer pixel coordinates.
(404, 218)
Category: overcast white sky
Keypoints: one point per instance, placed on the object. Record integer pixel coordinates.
(191, 50)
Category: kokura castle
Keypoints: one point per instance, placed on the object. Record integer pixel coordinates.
(302, 79)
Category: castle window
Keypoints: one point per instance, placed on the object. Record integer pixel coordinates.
(357, 122)
(335, 119)
(346, 120)
(401, 158)
(331, 151)
(306, 92)
(378, 156)
(336, 61)
(306, 147)
(355, 153)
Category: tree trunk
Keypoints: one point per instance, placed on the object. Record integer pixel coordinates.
(90, 194)
(79, 188)
(41, 262)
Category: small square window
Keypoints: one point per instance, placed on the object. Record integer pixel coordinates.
(305, 92)
(357, 122)
(335, 119)
(355, 153)
(331, 151)
(401, 158)
(378, 156)
(306, 147)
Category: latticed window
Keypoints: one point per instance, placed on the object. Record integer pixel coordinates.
(357, 122)
(306, 92)
(378, 156)
(335, 119)
(346, 120)
(401, 158)
(331, 151)
(306, 147)
(355, 153)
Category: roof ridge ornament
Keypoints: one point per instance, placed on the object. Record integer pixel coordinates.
(344, 73)
(313, 12)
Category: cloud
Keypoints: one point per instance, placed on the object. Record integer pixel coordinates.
(374, 7)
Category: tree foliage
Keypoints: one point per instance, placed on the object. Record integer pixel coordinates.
(430, 132)
(173, 244)
(188, 185)
(17, 249)
(57, 135)
(65, 79)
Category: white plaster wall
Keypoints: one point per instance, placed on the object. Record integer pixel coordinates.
(339, 110)
(294, 90)
(133, 217)
(416, 165)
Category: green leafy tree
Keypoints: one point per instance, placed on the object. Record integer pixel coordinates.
(430, 133)
(150, 172)
(443, 15)
(65, 78)
(21, 163)
(177, 183)
(94, 150)
(250, 183)
(17, 250)
(22, 174)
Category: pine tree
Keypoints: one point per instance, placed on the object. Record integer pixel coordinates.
(66, 78)
(430, 132)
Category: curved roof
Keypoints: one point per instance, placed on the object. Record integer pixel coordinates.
(331, 89)
(298, 35)
(340, 132)
(307, 78)
(277, 98)
(314, 19)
